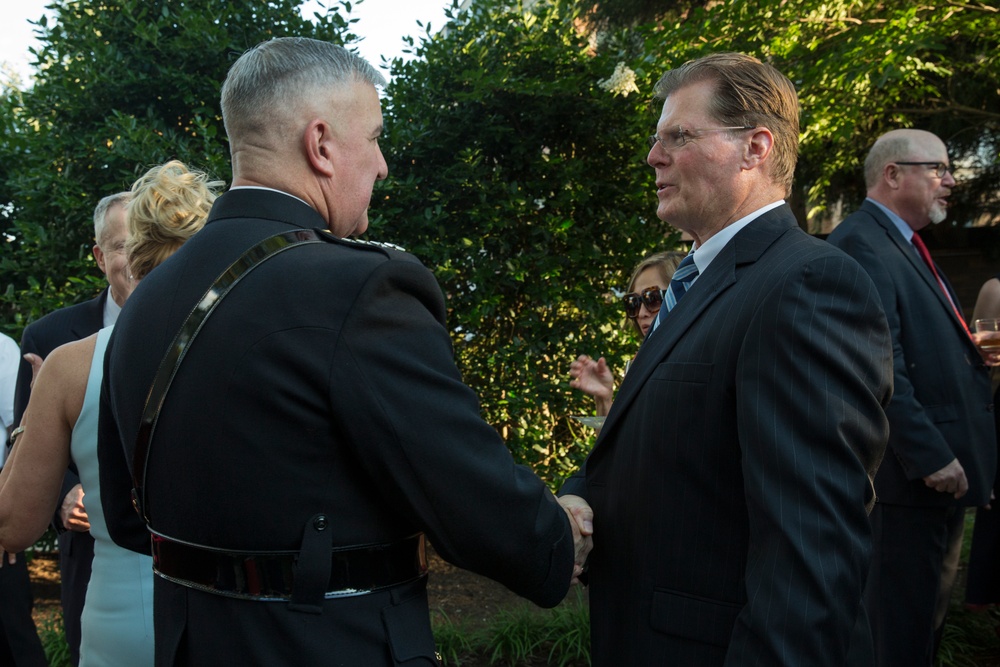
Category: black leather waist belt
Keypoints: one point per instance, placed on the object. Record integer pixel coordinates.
(270, 576)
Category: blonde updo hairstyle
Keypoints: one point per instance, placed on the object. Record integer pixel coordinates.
(169, 204)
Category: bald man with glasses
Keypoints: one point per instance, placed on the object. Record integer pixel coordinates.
(942, 447)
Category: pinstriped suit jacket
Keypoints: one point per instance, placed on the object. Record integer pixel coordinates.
(730, 480)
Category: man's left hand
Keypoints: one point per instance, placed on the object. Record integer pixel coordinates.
(72, 513)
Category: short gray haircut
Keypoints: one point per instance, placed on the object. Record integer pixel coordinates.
(886, 150)
(273, 75)
(101, 212)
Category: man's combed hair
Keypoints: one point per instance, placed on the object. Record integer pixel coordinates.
(749, 93)
(169, 204)
(282, 72)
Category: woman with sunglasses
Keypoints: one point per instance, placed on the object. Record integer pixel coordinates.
(642, 302)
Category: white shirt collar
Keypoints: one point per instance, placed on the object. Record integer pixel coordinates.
(901, 225)
(710, 249)
(705, 253)
(111, 310)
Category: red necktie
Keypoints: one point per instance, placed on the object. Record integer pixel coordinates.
(925, 255)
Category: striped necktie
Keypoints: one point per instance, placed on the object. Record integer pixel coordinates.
(680, 282)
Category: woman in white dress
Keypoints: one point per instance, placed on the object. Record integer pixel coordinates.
(169, 204)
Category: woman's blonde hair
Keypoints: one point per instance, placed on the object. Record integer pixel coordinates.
(665, 263)
(169, 204)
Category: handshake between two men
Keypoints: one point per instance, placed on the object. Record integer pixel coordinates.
(581, 520)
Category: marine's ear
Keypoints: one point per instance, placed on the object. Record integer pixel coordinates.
(317, 145)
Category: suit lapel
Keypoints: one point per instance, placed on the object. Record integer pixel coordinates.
(745, 248)
(910, 253)
(91, 317)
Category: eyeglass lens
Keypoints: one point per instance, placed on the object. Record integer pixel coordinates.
(940, 168)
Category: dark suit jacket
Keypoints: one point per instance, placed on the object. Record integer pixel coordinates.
(325, 382)
(729, 482)
(941, 405)
(49, 332)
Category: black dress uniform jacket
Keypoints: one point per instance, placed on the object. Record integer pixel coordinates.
(324, 382)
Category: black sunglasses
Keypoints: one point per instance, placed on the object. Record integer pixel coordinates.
(652, 297)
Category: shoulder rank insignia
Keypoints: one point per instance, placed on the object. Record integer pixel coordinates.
(360, 242)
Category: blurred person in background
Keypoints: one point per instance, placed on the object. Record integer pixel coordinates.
(641, 303)
(168, 205)
(71, 521)
(19, 643)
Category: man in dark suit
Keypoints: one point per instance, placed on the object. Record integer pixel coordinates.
(941, 435)
(318, 424)
(76, 546)
(729, 483)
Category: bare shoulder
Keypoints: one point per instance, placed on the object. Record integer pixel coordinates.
(61, 384)
(988, 303)
(69, 363)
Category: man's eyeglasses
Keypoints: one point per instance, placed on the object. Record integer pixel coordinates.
(940, 168)
(679, 136)
(652, 297)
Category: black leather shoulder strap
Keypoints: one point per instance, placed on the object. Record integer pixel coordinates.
(248, 261)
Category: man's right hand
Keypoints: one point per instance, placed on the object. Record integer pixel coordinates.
(72, 513)
(581, 520)
(949, 479)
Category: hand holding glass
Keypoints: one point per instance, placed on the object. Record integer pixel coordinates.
(988, 335)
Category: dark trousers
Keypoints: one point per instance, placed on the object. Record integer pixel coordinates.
(19, 644)
(76, 553)
(983, 586)
(909, 545)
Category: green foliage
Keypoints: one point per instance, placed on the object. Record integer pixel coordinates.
(521, 181)
(520, 635)
(47, 543)
(452, 641)
(515, 636)
(968, 635)
(121, 85)
(53, 638)
(568, 633)
(515, 174)
(629, 13)
(862, 69)
(523, 185)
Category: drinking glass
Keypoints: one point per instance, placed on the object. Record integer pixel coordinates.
(989, 334)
